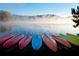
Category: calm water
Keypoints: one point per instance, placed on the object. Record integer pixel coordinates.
(43, 27)
(46, 28)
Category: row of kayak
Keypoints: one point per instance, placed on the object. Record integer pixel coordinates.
(9, 40)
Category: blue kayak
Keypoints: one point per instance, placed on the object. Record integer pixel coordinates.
(36, 42)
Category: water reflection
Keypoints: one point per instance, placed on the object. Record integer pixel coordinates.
(47, 26)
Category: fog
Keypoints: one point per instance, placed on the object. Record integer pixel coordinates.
(44, 25)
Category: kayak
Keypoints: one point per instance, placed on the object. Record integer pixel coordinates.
(36, 42)
(51, 44)
(24, 42)
(61, 41)
(12, 41)
(52, 40)
(73, 36)
(3, 38)
(71, 40)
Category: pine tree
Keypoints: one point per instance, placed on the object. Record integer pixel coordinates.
(75, 14)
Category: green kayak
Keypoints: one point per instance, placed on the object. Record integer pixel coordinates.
(73, 36)
(70, 39)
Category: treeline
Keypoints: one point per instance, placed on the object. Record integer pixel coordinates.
(5, 15)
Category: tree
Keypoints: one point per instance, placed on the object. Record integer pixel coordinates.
(5, 16)
(75, 14)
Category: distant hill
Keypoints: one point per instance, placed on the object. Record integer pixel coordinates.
(48, 18)
(36, 17)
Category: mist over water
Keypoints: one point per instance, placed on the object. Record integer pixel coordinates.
(45, 26)
(41, 25)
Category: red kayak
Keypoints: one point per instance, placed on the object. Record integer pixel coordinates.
(51, 44)
(12, 41)
(61, 41)
(5, 37)
(24, 42)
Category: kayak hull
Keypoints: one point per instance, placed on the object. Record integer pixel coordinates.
(50, 44)
(5, 37)
(71, 40)
(36, 42)
(73, 36)
(12, 41)
(61, 41)
(24, 42)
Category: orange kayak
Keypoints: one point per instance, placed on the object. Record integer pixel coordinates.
(50, 44)
(61, 41)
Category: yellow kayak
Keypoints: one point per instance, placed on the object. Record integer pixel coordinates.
(70, 39)
(73, 36)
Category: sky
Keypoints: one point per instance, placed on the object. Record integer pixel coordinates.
(62, 9)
